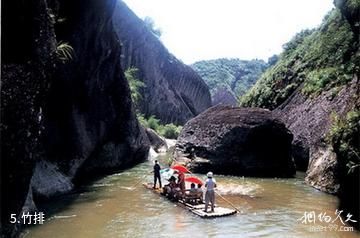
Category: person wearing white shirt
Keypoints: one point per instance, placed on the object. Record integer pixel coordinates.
(210, 185)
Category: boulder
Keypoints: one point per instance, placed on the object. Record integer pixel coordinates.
(156, 141)
(236, 141)
(322, 171)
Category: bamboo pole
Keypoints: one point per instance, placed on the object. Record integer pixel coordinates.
(142, 178)
(228, 202)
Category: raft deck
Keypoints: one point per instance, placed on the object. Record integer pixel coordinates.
(197, 209)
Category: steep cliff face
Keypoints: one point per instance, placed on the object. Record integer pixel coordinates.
(173, 92)
(315, 77)
(28, 55)
(310, 120)
(314, 88)
(66, 112)
(89, 112)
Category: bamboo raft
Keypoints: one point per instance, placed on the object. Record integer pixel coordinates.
(197, 209)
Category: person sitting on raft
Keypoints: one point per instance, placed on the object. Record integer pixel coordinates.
(171, 189)
(191, 195)
(192, 191)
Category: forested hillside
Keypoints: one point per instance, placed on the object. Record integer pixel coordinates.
(317, 60)
(233, 75)
(314, 88)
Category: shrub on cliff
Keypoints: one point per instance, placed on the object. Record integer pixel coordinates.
(344, 136)
(170, 131)
(315, 60)
(153, 123)
(135, 84)
(64, 52)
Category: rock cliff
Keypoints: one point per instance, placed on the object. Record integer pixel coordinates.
(236, 141)
(66, 111)
(173, 92)
(314, 89)
(28, 57)
(310, 120)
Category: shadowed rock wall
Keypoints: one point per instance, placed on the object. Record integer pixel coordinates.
(174, 92)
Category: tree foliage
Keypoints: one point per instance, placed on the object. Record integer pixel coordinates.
(135, 84)
(344, 137)
(235, 75)
(64, 52)
(170, 131)
(315, 60)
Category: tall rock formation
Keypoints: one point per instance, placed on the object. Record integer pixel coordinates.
(310, 120)
(66, 111)
(28, 56)
(173, 92)
(314, 88)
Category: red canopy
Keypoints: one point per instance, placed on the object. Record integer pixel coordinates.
(193, 179)
(180, 168)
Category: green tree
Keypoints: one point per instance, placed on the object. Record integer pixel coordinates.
(235, 75)
(170, 131)
(313, 61)
(344, 136)
(153, 123)
(134, 83)
(272, 60)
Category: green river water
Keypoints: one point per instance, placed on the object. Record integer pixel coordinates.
(112, 207)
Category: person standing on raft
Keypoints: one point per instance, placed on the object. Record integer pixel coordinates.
(210, 185)
(181, 182)
(157, 174)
